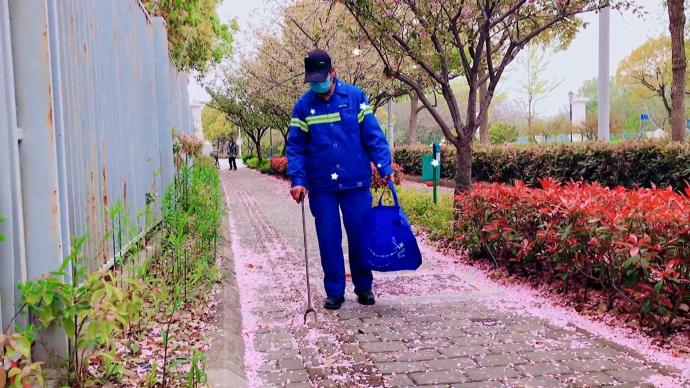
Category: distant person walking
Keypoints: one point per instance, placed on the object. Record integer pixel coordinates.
(232, 153)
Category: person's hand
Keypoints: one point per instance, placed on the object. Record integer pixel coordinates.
(298, 192)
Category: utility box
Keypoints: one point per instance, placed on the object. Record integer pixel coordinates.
(428, 169)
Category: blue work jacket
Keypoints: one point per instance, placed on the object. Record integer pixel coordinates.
(331, 143)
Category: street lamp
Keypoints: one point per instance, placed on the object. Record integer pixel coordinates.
(571, 97)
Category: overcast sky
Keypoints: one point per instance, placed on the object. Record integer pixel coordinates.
(574, 66)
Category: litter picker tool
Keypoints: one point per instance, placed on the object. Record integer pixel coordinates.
(310, 309)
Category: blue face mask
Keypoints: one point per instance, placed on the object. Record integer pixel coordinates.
(320, 87)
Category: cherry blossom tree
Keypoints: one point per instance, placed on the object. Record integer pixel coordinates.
(456, 38)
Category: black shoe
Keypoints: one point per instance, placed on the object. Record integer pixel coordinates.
(366, 297)
(334, 302)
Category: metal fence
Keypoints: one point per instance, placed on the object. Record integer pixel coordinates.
(88, 98)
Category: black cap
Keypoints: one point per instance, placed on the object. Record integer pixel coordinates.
(317, 65)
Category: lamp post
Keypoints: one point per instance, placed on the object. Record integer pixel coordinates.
(571, 96)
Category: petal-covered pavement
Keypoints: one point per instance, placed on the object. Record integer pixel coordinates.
(444, 325)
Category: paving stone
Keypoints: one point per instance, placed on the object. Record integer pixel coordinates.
(589, 365)
(328, 384)
(298, 385)
(373, 329)
(483, 330)
(366, 337)
(386, 321)
(543, 369)
(282, 378)
(630, 376)
(380, 347)
(354, 323)
(477, 384)
(467, 340)
(526, 328)
(388, 368)
(270, 346)
(444, 377)
(318, 373)
(452, 364)
(418, 355)
(627, 362)
(595, 379)
(399, 381)
(500, 360)
(543, 356)
(274, 337)
(596, 353)
(290, 364)
(542, 381)
(491, 373)
(519, 338)
(383, 357)
(397, 336)
(351, 314)
(511, 348)
(423, 318)
(442, 333)
(462, 351)
(427, 343)
(279, 354)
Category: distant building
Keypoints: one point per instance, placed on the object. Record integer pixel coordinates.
(579, 110)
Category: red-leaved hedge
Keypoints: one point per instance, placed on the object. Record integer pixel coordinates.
(278, 166)
(632, 245)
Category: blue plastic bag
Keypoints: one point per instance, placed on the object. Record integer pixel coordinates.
(388, 243)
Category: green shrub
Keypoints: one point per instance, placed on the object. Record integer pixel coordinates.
(502, 133)
(629, 164)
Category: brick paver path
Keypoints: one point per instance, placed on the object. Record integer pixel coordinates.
(430, 327)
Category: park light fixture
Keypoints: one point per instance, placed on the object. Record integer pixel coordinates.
(571, 97)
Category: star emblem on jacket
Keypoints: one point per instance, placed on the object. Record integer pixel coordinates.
(312, 111)
(363, 106)
(334, 176)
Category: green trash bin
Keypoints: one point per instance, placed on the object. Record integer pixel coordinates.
(428, 169)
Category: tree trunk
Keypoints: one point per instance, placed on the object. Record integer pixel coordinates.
(414, 102)
(463, 164)
(285, 137)
(484, 123)
(259, 153)
(676, 17)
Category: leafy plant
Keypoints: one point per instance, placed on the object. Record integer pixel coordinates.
(196, 36)
(502, 133)
(197, 372)
(16, 368)
(91, 308)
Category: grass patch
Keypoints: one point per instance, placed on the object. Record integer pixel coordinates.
(437, 220)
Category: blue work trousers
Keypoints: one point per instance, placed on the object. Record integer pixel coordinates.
(326, 207)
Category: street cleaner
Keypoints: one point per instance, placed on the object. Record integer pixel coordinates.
(333, 138)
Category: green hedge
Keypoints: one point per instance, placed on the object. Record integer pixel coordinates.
(629, 164)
